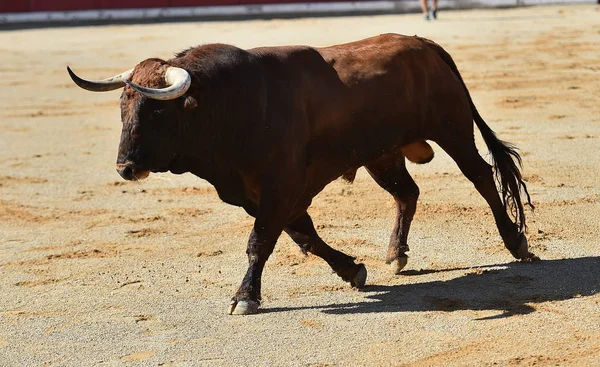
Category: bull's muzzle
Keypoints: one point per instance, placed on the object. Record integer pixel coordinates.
(130, 173)
(126, 172)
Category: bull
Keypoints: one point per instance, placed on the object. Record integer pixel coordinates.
(270, 127)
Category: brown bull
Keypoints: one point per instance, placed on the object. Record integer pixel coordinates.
(271, 127)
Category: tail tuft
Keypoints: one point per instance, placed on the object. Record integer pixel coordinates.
(507, 171)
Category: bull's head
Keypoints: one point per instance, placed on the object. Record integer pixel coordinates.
(149, 136)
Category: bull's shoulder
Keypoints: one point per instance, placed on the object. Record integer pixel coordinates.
(288, 56)
(283, 52)
(292, 65)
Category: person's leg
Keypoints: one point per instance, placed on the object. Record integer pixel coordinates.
(434, 9)
(424, 9)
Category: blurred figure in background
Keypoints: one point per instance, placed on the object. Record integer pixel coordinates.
(430, 14)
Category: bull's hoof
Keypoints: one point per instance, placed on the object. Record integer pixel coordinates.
(398, 264)
(243, 307)
(360, 278)
(523, 251)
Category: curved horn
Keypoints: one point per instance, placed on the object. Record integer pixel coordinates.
(115, 82)
(178, 81)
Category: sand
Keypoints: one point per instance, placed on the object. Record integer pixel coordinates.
(98, 271)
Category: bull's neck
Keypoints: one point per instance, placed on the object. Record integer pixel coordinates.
(212, 141)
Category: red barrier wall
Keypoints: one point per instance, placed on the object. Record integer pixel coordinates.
(131, 4)
(14, 6)
(7, 6)
(49, 5)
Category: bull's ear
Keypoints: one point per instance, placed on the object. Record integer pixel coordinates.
(190, 103)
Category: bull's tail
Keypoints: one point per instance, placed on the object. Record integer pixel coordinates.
(507, 169)
(506, 160)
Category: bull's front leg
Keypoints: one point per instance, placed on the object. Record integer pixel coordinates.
(274, 208)
(260, 246)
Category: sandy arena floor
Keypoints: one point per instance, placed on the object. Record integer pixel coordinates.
(98, 271)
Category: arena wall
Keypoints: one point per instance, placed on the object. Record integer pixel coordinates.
(24, 11)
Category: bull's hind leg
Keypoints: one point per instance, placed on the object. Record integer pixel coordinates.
(303, 232)
(479, 172)
(391, 174)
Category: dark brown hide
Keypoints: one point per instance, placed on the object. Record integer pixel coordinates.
(274, 125)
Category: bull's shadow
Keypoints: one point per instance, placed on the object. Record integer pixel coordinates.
(511, 288)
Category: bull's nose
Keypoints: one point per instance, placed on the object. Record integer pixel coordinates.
(126, 172)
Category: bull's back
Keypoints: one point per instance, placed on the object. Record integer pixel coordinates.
(379, 97)
(365, 59)
(380, 69)
(357, 77)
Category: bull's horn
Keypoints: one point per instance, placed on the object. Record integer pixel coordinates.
(178, 81)
(115, 82)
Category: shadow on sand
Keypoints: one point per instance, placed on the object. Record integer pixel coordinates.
(508, 288)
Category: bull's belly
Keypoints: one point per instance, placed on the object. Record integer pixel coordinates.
(321, 172)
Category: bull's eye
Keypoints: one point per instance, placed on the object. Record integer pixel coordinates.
(156, 114)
